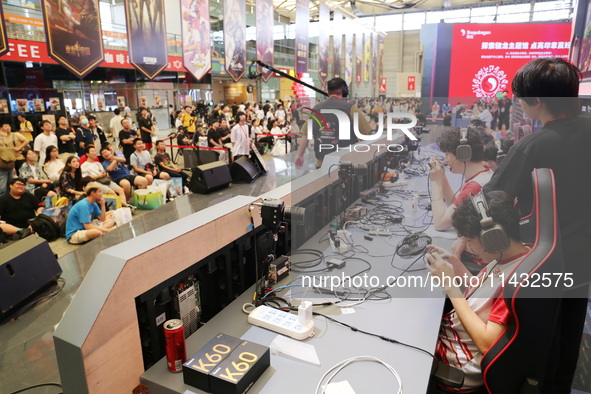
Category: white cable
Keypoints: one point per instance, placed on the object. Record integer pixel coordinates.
(338, 367)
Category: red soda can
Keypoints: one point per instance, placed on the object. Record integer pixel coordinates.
(174, 337)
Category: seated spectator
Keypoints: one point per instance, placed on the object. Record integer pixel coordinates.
(492, 156)
(480, 314)
(88, 218)
(16, 208)
(142, 163)
(120, 174)
(71, 179)
(94, 169)
(53, 166)
(36, 185)
(443, 199)
(165, 164)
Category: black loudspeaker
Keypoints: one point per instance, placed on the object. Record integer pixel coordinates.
(244, 170)
(197, 157)
(29, 267)
(209, 177)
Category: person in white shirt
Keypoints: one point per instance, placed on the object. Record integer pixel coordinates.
(281, 145)
(96, 171)
(115, 125)
(43, 140)
(53, 166)
(280, 113)
(142, 163)
(240, 137)
(485, 115)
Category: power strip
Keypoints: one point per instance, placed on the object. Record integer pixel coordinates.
(282, 322)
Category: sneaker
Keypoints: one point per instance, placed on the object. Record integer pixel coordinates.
(132, 207)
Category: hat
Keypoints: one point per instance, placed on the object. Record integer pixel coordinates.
(90, 186)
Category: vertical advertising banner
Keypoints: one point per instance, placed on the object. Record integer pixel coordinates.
(366, 57)
(381, 61)
(374, 59)
(337, 41)
(301, 38)
(235, 38)
(348, 57)
(3, 35)
(358, 58)
(196, 37)
(324, 22)
(74, 35)
(146, 36)
(265, 50)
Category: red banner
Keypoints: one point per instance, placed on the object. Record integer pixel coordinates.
(337, 41)
(374, 60)
(411, 83)
(235, 38)
(323, 20)
(301, 38)
(381, 61)
(366, 57)
(265, 43)
(196, 37)
(486, 57)
(74, 35)
(3, 36)
(382, 88)
(146, 36)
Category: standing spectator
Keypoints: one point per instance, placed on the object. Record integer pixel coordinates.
(126, 137)
(17, 142)
(25, 127)
(146, 127)
(280, 114)
(98, 135)
(240, 137)
(40, 187)
(142, 163)
(66, 138)
(83, 136)
(187, 119)
(115, 125)
(505, 108)
(81, 225)
(165, 164)
(43, 140)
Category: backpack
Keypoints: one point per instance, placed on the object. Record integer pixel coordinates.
(45, 227)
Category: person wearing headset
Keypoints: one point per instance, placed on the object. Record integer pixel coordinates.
(548, 90)
(463, 154)
(326, 139)
(480, 314)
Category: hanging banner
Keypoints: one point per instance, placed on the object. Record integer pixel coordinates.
(381, 62)
(374, 60)
(265, 49)
(337, 41)
(196, 37)
(348, 57)
(146, 36)
(301, 37)
(235, 38)
(74, 35)
(358, 58)
(3, 35)
(366, 57)
(324, 20)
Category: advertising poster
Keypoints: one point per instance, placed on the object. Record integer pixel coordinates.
(366, 57)
(196, 37)
(235, 38)
(100, 102)
(374, 58)
(22, 105)
(358, 58)
(337, 41)
(143, 101)
(265, 49)
(54, 104)
(3, 35)
(381, 62)
(146, 36)
(301, 38)
(324, 20)
(486, 57)
(121, 101)
(39, 105)
(157, 101)
(348, 57)
(74, 35)
(4, 106)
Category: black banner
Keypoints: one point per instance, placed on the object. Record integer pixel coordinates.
(3, 35)
(74, 35)
(146, 36)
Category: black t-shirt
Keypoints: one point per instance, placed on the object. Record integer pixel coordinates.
(128, 149)
(163, 158)
(18, 211)
(64, 146)
(212, 135)
(147, 123)
(562, 146)
(505, 108)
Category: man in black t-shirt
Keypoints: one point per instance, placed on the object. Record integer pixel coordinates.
(505, 105)
(18, 206)
(146, 127)
(165, 164)
(66, 137)
(126, 137)
(213, 135)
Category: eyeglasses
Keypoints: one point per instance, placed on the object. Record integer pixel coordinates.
(19, 184)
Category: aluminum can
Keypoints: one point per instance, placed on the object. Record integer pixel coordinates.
(174, 337)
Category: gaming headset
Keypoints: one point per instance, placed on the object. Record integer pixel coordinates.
(345, 91)
(500, 153)
(493, 237)
(464, 151)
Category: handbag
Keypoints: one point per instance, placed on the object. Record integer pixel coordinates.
(7, 157)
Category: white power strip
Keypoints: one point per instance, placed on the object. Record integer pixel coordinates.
(281, 322)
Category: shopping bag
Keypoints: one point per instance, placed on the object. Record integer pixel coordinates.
(176, 187)
(148, 198)
(122, 216)
(112, 202)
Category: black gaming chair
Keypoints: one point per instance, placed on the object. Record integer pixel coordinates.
(517, 361)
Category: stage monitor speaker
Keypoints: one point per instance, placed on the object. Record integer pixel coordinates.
(244, 170)
(29, 267)
(196, 157)
(210, 177)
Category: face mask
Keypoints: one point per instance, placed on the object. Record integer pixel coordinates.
(84, 122)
